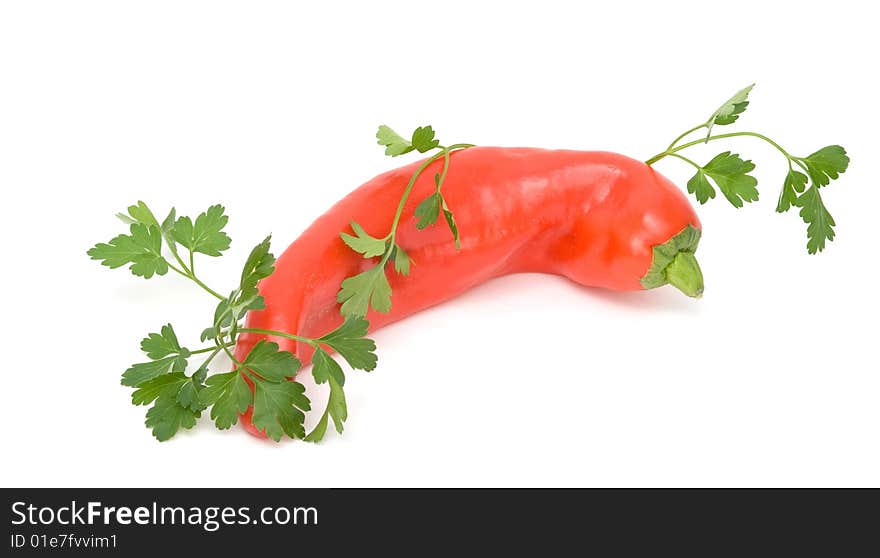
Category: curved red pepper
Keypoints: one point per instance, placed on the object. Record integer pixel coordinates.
(593, 217)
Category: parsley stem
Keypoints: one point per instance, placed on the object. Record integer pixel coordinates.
(685, 159)
(215, 348)
(671, 151)
(445, 169)
(208, 360)
(174, 253)
(198, 282)
(733, 135)
(176, 269)
(679, 138)
(226, 350)
(306, 340)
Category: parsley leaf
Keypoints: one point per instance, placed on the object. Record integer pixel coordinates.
(394, 144)
(142, 249)
(168, 223)
(700, 187)
(206, 235)
(336, 405)
(166, 384)
(450, 222)
(167, 416)
(348, 340)
(141, 372)
(317, 433)
(188, 395)
(230, 396)
(730, 173)
(363, 243)
(820, 224)
(158, 345)
(729, 112)
(324, 367)
(259, 264)
(171, 410)
(271, 364)
(166, 353)
(278, 408)
(401, 260)
(794, 184)
(428, 210)
(336, 409)
(826, 165)
(140, 213)
(423, 139)
(368, 288)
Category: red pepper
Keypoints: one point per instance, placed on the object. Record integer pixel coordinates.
(600, 219)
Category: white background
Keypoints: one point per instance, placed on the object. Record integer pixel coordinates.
(270, 109)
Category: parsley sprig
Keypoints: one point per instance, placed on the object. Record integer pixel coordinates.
(730, 173)
(177, 399)
(371, 288)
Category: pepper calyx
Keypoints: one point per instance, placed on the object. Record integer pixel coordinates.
(674, 263)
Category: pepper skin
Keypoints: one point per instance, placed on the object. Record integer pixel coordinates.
(593, 217)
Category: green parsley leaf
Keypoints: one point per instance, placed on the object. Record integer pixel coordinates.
(210, 332)
(394, 144)
(200, 375)
(729, 112)
(188, 395)
(175, 404)
(158, 345)
(352, 328)
(259, 265)
(428, 210)
(279, 407)
(233, 308)
(336, 409)
(401, 260)
(166, 384)
(795, 183)
(167, 416)
(368, 288)
(324, 367)
(826, 165)
(450, 222)
(206, 236)
(230, 396)
(167, 354)
(820, 224)
(142, 249)
(125, 219)
(140, 213)
(700, 187)
(223, 314)
(168, 223)
(139, 373)
(363, 243)
(336, 405)
(423, 139)
(270, 363)
(348, 340)
(730, 173)
(317, 433)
